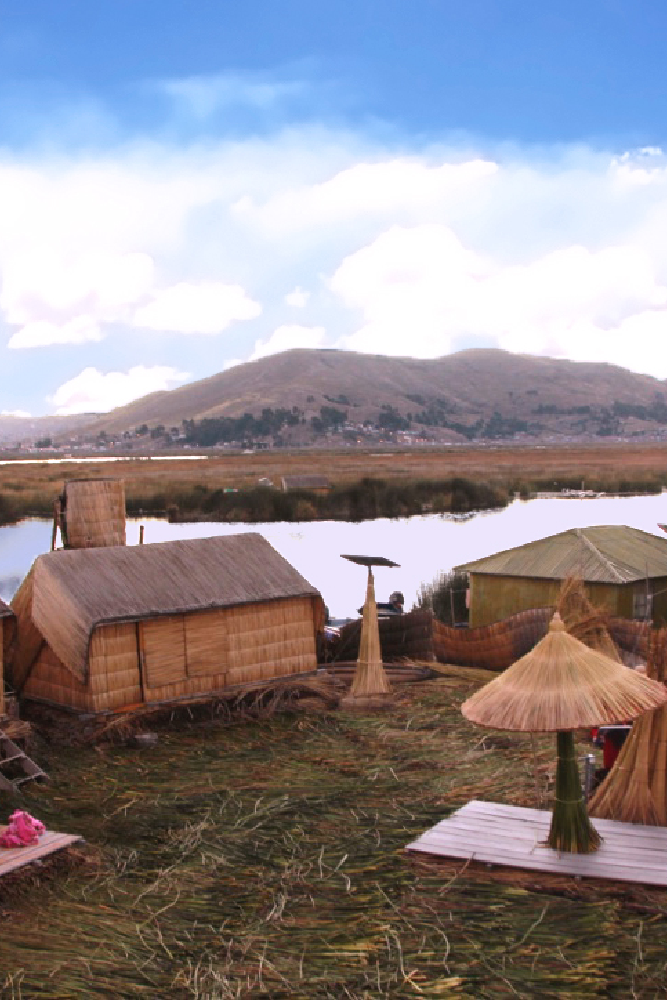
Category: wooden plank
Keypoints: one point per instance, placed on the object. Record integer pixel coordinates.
(514, 836)
(608, 828)
(15, 857)
(477, 844)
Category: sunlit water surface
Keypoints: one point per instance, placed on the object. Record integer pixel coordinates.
(423, 546)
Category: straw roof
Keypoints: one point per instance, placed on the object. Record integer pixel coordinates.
(603, 554)
(76, 590)
(562, 684)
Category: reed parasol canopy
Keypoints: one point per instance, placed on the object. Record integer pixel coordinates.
(560, 685)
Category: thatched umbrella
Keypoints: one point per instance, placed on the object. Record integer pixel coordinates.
(559, 686)
(370, 684)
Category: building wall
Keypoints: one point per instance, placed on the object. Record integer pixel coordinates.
(493, 598)
(659, 591)
(114, 680)
(50, 680)
(209, 651)
(176, 656)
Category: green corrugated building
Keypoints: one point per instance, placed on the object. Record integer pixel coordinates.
(623, 569)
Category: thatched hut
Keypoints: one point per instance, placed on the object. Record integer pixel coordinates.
(7, 632)
(92, 513)
(106, 628)
(623, 570)
(312, 483)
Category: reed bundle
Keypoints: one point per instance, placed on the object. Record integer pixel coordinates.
(635, 790)
(94, 513)
(583, 620)
(370, 684)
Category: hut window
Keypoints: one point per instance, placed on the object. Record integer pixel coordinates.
(206, 643)
(642, 603)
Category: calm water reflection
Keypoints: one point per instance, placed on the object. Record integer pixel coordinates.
(424, 546)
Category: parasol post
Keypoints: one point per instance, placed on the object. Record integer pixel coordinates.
(571, 829)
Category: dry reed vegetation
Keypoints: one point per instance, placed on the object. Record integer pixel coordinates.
(154, 486)
(265, 858)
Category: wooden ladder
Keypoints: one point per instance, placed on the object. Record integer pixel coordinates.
(15, 766)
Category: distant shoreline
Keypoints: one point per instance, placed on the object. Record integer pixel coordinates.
(246, 486)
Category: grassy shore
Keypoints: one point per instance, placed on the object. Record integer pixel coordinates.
(250, 858)
(409, 480)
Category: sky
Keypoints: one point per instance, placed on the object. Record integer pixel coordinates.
(184, 187)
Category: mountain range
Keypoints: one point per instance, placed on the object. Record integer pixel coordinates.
(471, 395)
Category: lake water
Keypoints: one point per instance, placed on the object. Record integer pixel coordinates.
(423, 546)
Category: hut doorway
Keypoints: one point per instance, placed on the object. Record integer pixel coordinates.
(175, 649)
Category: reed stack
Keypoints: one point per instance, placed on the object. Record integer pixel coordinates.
(92, 513)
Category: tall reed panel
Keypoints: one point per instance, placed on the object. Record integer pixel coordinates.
(93, 513)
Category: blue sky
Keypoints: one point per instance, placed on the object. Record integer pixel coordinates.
(184, 187)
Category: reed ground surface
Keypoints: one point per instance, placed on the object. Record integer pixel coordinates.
(154, 485)
(265, 857)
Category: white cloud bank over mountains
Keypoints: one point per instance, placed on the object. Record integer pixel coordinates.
(418, 252)
(114, 388)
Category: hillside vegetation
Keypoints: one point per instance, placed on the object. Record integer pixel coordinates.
(303, 397)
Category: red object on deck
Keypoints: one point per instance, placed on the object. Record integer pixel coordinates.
(613, 739)
(609, 753)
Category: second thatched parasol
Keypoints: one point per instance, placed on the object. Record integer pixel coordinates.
(559, 686)
(370, 684)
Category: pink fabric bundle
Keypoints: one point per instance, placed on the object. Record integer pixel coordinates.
(23, 829)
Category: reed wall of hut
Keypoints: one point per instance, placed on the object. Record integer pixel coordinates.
(162, 647)
(93, 513)
(493, 598)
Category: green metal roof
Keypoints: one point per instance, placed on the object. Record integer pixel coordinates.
(602, 554)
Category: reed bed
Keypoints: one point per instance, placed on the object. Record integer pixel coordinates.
(265, 858)
(190, 487)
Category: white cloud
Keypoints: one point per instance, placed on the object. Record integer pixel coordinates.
(422, 292)
(41, 333)
(207, 307)
(15, 413)
(298, 298)
(379, 188)
(412, 251)
(92, 391)
(287, 337)
(59, 300)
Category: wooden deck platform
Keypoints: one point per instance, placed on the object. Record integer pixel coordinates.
(15, 857)
(513, 836)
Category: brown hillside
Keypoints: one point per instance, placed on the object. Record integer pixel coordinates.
(512, 393)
